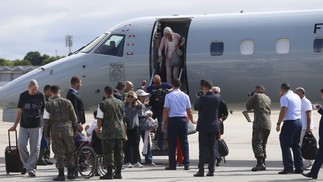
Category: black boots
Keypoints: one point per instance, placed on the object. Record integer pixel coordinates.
(108, 175)
(71, 173)
(260, 165)
(60, 176)
(117, 173)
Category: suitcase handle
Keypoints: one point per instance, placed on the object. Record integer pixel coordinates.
(10, 141)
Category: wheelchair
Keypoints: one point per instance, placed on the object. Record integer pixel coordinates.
(86, 160)
(96, 144)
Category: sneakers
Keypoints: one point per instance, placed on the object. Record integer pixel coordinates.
(307, 166)
(138, 165)
(32, 174)
(128, 165)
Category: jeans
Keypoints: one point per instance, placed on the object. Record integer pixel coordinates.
(148, 156)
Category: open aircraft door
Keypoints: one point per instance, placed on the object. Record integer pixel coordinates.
(180, 26)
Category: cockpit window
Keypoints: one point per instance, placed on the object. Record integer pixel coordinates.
(113, 46)
(92, 44)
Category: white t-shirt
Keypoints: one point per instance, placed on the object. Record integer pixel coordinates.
(306, 106)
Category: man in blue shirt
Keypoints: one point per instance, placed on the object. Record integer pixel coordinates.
(176, 107)
(290, 114)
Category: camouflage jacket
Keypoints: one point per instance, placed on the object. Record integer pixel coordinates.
(261, 104)
(62, 121)
(113, 126)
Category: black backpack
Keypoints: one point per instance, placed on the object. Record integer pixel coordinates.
(309, 147)
(223, 149)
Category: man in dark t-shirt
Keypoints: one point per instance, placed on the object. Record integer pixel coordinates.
(30, 113)
(158, 91)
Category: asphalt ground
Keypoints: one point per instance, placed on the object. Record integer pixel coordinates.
(236, 169)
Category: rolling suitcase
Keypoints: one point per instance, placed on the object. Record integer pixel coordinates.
(13, 162)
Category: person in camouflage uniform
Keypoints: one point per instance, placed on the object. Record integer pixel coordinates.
(110, 116)
(261, 104)
(61, 128)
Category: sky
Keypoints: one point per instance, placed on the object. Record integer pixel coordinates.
(42, 25)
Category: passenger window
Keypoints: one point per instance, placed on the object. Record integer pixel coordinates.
(318, 45)
(247, 47)
(282, 46)
(217, 48)
(113, 46)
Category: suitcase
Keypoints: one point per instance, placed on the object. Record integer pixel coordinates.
(13, 162)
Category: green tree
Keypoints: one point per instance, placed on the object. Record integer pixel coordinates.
(51, 59)
(34, 57)
(18, 62)
(4, 62)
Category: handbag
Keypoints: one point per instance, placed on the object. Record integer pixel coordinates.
(179, 51)
(191, 127)
(176, 60)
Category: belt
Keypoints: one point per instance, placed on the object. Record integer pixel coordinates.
(177, 117)
(291, 120)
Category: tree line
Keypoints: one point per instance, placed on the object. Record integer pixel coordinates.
(31, 59)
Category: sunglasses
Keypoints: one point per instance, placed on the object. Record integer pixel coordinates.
(130, 96)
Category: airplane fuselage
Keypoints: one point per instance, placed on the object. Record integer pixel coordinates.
(235, 51)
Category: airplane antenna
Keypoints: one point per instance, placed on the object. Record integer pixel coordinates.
(69, 43)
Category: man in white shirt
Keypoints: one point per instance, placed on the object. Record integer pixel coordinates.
(290, 114)
(306, 118)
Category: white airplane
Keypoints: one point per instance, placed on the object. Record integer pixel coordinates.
(235, 51)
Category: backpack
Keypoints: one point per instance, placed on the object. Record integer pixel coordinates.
(309, 146)
(222, 149)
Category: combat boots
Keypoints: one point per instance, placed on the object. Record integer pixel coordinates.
(117, 173)
(108, 175)
(60, 176)
(71, 173)
(260, 165)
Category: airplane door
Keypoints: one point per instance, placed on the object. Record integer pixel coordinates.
(180, 26)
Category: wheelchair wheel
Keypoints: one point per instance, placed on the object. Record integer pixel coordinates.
(86, 161)
(100, 165)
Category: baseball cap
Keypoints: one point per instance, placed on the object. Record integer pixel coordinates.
(141, 92)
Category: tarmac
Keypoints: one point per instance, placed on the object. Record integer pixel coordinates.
(237, 168)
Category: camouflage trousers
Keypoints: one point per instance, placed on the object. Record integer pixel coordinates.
(259, 142)
(63, 149)
(113, 152)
